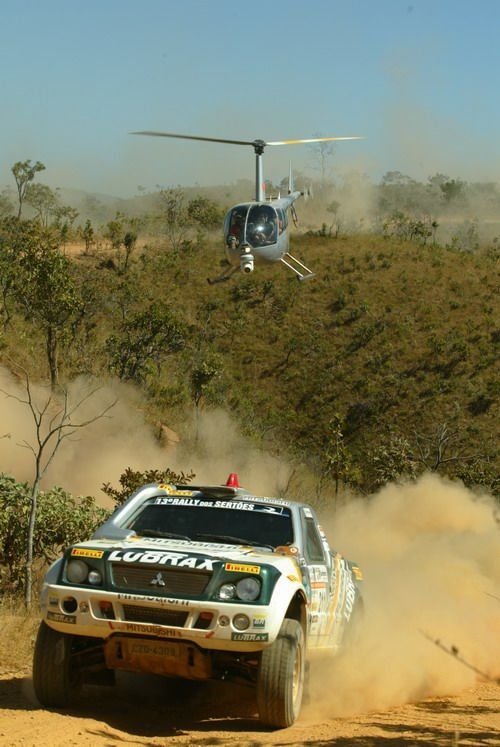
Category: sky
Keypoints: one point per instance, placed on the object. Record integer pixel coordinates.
(419, 79)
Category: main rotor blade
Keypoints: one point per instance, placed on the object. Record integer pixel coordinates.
(315, 140)
(252, 143)
(195, 137)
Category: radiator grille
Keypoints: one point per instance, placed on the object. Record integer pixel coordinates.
(133, 613)
(127, 577)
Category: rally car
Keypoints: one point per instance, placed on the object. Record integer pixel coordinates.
(196, 582)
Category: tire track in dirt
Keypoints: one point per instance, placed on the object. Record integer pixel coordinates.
(146, 712)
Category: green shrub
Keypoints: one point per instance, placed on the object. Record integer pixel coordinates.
(62, 520)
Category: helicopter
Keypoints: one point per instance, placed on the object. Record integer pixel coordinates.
(258, 231)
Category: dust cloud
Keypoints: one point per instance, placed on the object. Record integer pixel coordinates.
(430, 553)
(95, 454)
(429, 550)
(220, 448)
(101, 451)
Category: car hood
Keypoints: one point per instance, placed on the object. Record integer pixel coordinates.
(131, 547)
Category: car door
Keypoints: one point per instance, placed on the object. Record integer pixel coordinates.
(316, 563)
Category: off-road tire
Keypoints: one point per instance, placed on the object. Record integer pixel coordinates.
(306, 690)
(54, 679)
(280, 678)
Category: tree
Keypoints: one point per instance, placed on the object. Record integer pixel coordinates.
(396, 178)
(438, 180)
(322, 152)
(454, 189)
(205, 380)
(438, 449)
(337, 459)
(392, 461)
(88, 235)
(54, 421)
(24, 173)
(47, 290)
(64, 218)
(130, 480)
(49, 212)
(334, 208)
(129, 242)
(146, 337)
(410, 227)
(480, 473)
(204, 377)
(174, 217)
(204, 212)
(43, 200)
(114, 231)
(118, 236)
(10, 246)
(94, 208)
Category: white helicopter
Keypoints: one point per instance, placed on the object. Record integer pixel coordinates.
(257, 231)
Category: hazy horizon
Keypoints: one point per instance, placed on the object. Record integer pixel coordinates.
(417, 79)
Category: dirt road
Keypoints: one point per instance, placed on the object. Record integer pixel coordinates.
(149, 712)
(432, 566)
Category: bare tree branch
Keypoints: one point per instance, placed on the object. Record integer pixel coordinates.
(453, 651)
(493, 596)
(48, 438)
(441, 447)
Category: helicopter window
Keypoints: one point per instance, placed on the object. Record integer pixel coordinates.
(282, 221)
(237, 223)
(262, 225)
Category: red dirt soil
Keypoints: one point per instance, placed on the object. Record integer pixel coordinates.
(151, 711)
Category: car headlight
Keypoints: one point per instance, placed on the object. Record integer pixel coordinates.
(227, 591)
(248, 589)
(95, 578)
(77, 571)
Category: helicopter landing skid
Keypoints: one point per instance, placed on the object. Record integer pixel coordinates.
(226, 275)
(295, 265)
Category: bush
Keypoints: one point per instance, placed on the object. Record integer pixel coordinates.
(131, 480)
(61, 520)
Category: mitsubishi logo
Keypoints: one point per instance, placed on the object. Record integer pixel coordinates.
(157, 580)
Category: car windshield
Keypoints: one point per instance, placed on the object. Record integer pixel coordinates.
(227, 522)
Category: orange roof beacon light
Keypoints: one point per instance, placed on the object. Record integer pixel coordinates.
(232, 481)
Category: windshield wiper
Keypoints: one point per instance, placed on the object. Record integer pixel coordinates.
(159, 533)
(232, 540)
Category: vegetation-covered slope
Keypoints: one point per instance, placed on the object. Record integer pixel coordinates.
(385, 363)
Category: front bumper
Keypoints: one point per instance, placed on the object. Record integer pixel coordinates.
(210, 625)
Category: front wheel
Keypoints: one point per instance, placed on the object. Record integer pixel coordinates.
(280, 680)
(55, 678)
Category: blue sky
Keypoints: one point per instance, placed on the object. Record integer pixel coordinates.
(419, 78)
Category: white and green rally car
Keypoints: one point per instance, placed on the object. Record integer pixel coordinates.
(196, 582)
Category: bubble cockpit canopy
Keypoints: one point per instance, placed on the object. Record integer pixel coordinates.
(256, 225)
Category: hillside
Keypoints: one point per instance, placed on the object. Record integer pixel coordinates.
(390, 338)
(385, 363)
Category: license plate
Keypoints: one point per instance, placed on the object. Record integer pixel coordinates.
(152, 648)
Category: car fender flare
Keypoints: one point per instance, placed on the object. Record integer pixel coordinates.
(290, 599)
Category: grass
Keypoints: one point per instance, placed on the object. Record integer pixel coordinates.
(18, 636)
